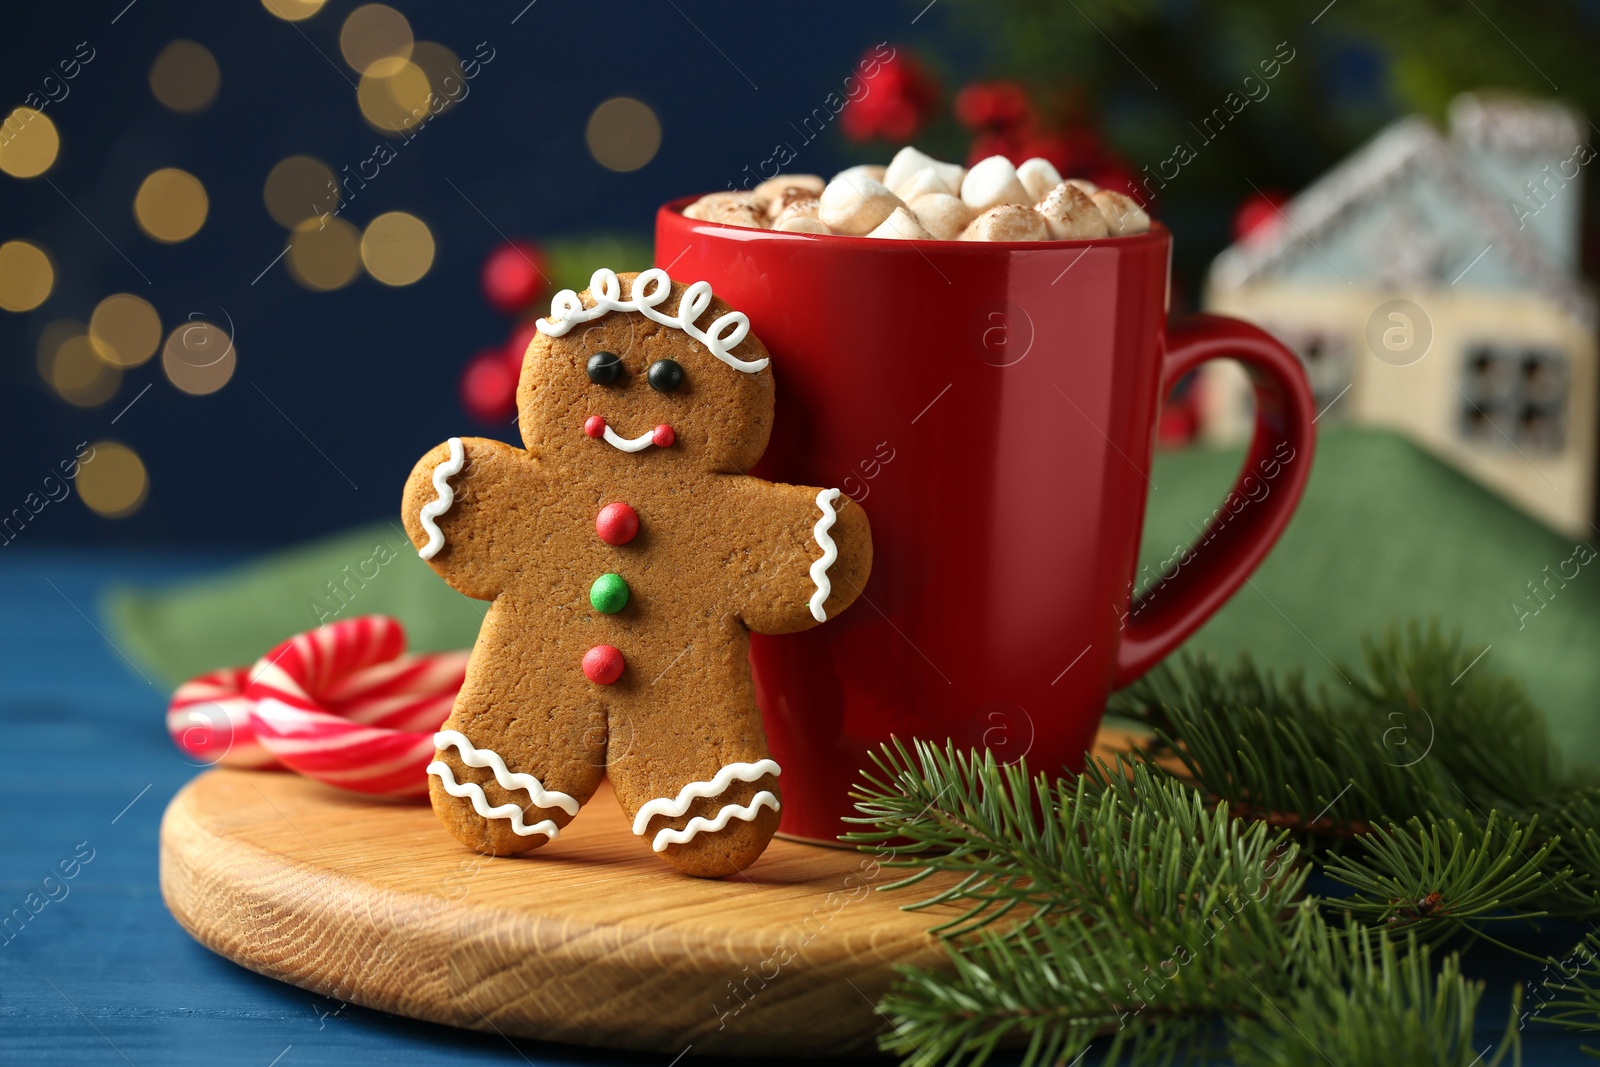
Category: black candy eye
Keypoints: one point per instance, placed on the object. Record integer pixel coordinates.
(665, 375)
(604, 368)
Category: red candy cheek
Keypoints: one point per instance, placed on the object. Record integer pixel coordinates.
(594, 426)
(617, 524)
(602, 664)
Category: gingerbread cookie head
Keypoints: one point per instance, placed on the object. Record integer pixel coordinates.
(658, 370)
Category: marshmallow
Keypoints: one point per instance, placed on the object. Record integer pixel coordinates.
(855, 205)
(799, 224)
(799, 206)
(1006, 222)
(1122, 213)
(1070, 214)
(775, 193)
(773, 186)
(993, 182)
(1084, 186)
(942, 215)
(733, 209)
(908, 163)
(1038, 176)
(786, 197)
(920, 184)
(901, 225)
(799, 216)
(862, 170)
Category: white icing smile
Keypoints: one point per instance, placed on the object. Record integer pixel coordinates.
(629, 444)
(662, 436)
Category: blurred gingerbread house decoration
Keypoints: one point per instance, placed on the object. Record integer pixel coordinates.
(1431, 284)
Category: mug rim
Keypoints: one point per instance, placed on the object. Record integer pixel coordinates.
(673, 210)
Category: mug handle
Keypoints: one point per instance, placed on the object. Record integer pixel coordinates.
(1242, 531)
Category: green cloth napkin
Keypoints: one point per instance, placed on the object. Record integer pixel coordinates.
(1386, 533)
(237, 615)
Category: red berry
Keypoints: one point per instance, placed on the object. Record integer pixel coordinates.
(663, 436)
(617, 524)
(513, 276)
(974, 104)
(1009, 106)
(517, 348)
(489, 388)
(1258, 215)
(993, 144)
(602, 664)
(899, 95)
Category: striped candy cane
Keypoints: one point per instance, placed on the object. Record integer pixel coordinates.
(209, 718)
(341, 704)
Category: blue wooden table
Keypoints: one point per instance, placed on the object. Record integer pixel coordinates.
(99, 972)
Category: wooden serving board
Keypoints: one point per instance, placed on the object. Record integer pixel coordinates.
(590, 940)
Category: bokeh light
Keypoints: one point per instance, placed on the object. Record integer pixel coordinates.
(113, 482)
(77, 373)
(373, 32)
(125, 330)
(393, 95)
(52, 337)
(623, 134)
(324, 254)
(397, 248)
(171, 205)
(28, 143)
(184, 76)
(199, 357)
(293, 10)
(26, 276)
(443, 68)
(299, 188)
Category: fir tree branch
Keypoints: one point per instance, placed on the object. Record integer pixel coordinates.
(1160, 903)
(1442, 879)
(1576, 817)
(1420, 732)
(1370, 1001)
(1105, 842)
(1148, 916)
(1570, 998)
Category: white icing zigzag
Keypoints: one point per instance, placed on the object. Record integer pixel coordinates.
(473, 756)
(744, 813)
(567, 309)
(744, 772)
(480, 804)
(441, 504)
(830, 553)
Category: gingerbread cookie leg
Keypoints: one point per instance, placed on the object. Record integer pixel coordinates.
(520, 752)
(709, 812)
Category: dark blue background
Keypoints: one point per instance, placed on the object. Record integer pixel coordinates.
(368, 373)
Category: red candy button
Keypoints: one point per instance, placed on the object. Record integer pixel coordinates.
(617, 524)
(594, 426)
(602, 664)
(663, 436)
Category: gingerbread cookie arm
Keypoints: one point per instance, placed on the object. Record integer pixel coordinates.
(812, 561)
(459, 507)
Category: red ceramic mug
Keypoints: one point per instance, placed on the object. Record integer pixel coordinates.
(993, 407)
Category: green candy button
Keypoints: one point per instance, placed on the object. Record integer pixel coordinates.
(609, 594)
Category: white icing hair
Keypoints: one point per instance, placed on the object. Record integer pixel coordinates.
(650, 288)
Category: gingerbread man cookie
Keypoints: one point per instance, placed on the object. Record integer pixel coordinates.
(628, 557)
